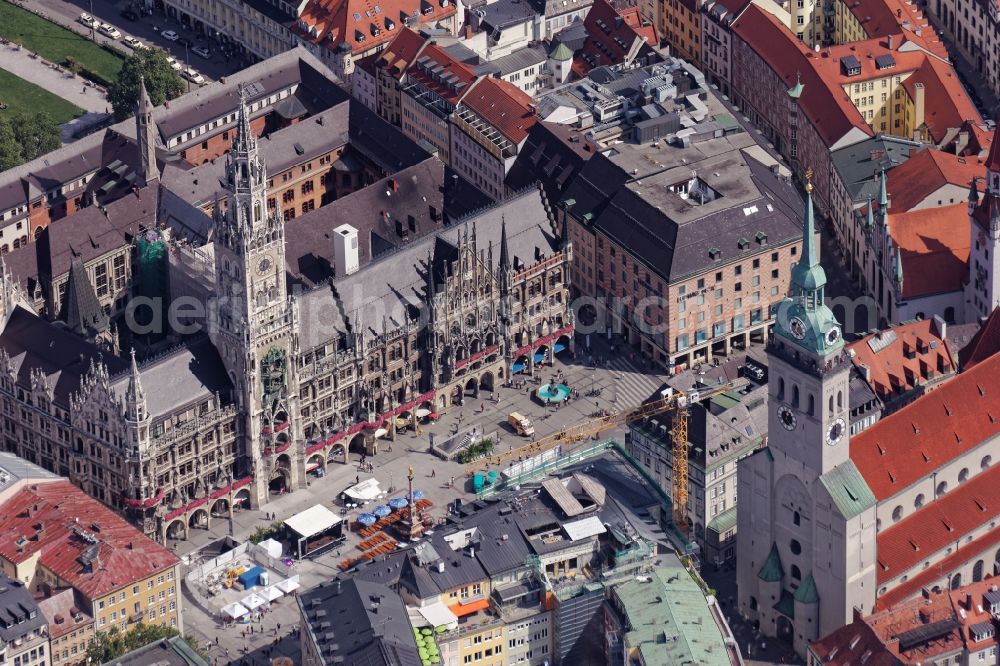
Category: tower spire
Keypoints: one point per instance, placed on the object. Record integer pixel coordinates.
(145, 134)
(504, 256)
(883, 195)
(135, 397)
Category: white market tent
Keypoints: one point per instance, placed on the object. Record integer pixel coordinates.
(289, 585)
(253, 601)
(234, 611)
(421, 413)
(271, 593)
(312, 521)
(366, 491)
(271, 547)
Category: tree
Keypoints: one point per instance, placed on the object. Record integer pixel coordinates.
(162, 82)
(10, 149)
(108, 645)
(37, 133)
(73, 65)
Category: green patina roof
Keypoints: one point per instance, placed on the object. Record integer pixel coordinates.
(669, 620)
(727, 400)
(786, 605)
(807, 592)
(848, 489)
(724, 521)
(726, 121)
(561, 52)
(771, 571)
(796, 91)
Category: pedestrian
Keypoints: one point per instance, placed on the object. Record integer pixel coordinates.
(216, 640)
(357, 479)
(279, 626)
(482, 406)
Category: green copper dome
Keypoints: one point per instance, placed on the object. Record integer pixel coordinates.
(804, 318)
(561, 52)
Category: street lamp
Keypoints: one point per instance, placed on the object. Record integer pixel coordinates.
(93, 34)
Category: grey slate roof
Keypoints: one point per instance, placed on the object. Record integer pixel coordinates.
(186, 375)
(414, 191)
(14, 468)
(62, 357)
(394, 286)
(552, 154)
(506, 13)
(361, 622)
(519, 60)
(380, 142)
(81, 311)
(19, 615)
(859, 163)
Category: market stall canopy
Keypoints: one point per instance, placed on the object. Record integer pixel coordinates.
(271, 593)
(289, 585)
(271, 547)
(365, 491)
(421, 413)
(253, 601)
(312, 521)
(381, 432)
(234, 611)
(439, 615)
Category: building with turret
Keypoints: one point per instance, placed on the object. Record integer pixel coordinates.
(832, 523)
(302, 354)
(982, 293)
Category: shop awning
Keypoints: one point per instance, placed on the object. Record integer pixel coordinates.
(517, 368)
(312, 521)
(461, 610)
(381, 432)
(558, 347)
(365, 491)
(421, 413)
(437, 615)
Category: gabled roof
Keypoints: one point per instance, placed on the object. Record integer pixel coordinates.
(612, 35)
(437, 70)
(886, 356)
(81, 311)
(504, 106)
(944, 521)
(362, 25)
(78, 529)
(985, 343)
(400, 52)
(830, 112)
(935, 249)
(946, 103)
(924, 173)
(910, 444)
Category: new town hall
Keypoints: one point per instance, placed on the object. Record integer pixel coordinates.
(286, 380)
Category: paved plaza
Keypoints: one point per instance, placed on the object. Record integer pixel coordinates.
(72, 88)
(622, 383)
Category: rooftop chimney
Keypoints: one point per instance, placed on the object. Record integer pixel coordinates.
(345, 250)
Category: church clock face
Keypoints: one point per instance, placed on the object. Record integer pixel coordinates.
(264, 265)
(787, 417)
(836, 432)
(832, 336)
(797, 327)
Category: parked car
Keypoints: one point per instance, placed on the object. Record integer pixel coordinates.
(133, 43)
(192, 75)
(88, 20)
(109, 30)
(174, 65)
(202, 51)
(184, 41)
(129, 14)
(170, 35)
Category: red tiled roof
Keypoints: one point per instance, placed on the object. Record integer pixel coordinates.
(398, 55)
(881, 18)
(827, 60)
(503, 105)
(432, 57)
(946, 103)
(985, 343)
(330, 23)
(989, 206)
(935, 247)
(980, 139)
(931, 575)
(925, 172)
(830, 111)
(123, 553)
(611, 33)
(889, 367)
(59, 609)
(993, 161)
(918, 439)
(844, 647)
(942, 522)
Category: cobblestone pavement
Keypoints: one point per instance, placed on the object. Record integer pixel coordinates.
(72, 88)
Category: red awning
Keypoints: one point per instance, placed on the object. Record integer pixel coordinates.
(461, 610)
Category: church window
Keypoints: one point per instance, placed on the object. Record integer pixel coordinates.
(781, 388)
(956, 581)
(840, 399)
(897, 514)
(830, 408)
(942, 488)
(796, 572)
(256, 211)
(796, 518)
(795, 396)
(812, 405)
(986, 461)
(795, 547)
(918, 501)
(963, 475)
(753, 603)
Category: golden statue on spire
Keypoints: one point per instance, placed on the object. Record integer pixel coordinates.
(809, 180)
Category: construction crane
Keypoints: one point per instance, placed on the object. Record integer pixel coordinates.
(671, 400)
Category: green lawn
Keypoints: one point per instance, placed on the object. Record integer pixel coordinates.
(25, 97)
(55, 43)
